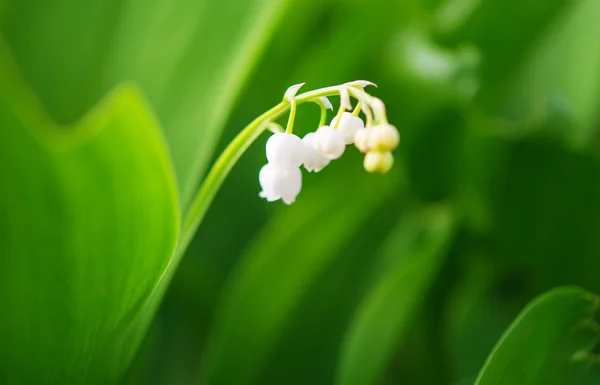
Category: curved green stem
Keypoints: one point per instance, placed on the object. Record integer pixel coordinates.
(290, 125)
(323, 118)
(230, 156)
(338, 117)
(371, 105)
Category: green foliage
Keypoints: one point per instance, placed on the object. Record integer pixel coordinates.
(408, 278)
(415, 255)
(90, 221)
(79, 51)
(271, 280)
(550, 342)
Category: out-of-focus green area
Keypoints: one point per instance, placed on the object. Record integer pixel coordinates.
(407, 278)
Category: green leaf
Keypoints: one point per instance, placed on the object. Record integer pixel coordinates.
(504, 31)
(190, 58)
(413, 255)
(551, 342)
(89, 221)
(545, 202)
(549, 91)
(277, 271)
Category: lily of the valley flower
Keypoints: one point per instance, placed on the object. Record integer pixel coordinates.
(285, 150)
(281, 177)
(313, 160)
(329, 142)
(279, 182)
(348, 126)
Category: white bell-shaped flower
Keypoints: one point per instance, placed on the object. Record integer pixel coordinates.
(329, 142)
(313, 160)
(285, 150)
(278, 182)
(363, 140)
(348, 126)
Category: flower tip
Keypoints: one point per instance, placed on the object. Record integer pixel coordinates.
(291, 92)
(363, 83)
(326, 103)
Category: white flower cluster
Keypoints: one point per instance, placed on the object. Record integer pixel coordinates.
(281, 177)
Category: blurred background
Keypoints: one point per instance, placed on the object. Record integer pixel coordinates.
(494, 197)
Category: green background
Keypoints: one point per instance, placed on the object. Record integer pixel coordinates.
(111, 113)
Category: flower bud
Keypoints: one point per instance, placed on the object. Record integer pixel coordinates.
(313, 160)
(348, 126)
(329, 142)
(285, 150)
(278, 182)
(384, 137)
(380, 162)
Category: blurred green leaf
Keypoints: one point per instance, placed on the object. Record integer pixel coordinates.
(190, 58)
(505, 32)
(273, 276)
(546, 206)
(479, 307)
(559, 84)
(551, 342)
(412, 255)
(88, 224)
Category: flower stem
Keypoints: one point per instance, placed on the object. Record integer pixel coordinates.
(290, 125)
(230, 156)
(323, 118)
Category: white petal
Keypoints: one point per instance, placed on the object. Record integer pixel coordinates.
(362, 83)
(349, 125)
(329, 142)
(313, 160)
(280, 183)
(326, 102)
(286, 150)
(267, 177)
(292, 91)
(290, 186)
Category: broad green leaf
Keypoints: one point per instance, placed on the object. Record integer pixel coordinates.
(89, 218)
(277, 271)
(189, 57)
(551, 342)
(412, 257)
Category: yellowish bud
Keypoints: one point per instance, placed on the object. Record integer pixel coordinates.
(376, 161)
(384, 137)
